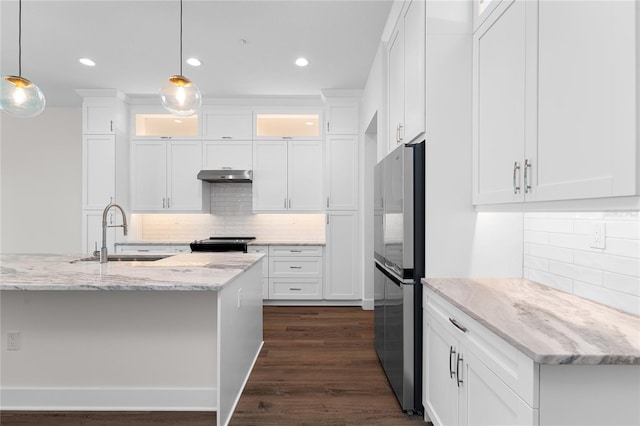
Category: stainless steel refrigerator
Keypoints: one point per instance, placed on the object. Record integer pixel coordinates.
(399, 266)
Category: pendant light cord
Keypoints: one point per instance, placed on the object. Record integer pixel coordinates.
(20, 38)
(180, 37)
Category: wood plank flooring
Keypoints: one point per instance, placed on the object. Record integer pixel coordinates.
(317, 367)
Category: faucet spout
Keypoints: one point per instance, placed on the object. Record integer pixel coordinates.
(104, 258)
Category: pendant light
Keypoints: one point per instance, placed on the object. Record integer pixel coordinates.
(18, 96)
(178, 94)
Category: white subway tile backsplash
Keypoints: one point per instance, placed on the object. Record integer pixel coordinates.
(550, 252)
(231, 215)
(567, 261)
(615, 299)
(622, 283)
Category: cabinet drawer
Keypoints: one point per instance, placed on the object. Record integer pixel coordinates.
(514, 368)
(295, 251)
(295, 288)
(295, 267)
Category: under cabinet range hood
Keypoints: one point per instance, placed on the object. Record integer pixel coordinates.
(226, 175)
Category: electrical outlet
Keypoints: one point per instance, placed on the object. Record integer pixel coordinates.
(13, 341)
(598, 235)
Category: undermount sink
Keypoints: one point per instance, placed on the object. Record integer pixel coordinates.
(123, 257)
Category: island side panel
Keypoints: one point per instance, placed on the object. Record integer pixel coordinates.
(239, 337)
(109, 350)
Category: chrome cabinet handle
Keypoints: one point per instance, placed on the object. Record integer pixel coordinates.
(327, 202)
(295, 267)
(328, 127)
(527, 177)
(165, 137)
(111, 125)
(289, 202)
(458, 325)
(168, 202)
(227, 137)
(458, 361)
(285, 203)
(451, 352)
(164, 204)
(295, 251)
(400, 127)
(295, 288)
(398, 134)
(516, 170)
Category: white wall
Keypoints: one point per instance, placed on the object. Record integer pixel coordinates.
(41, 182)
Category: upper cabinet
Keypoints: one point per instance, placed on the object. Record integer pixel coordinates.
(227, 123)
(154, 123)
(555, 101)
(342, 119)
(103, 112)
(288, 123)
(407, 75)
(287, 176)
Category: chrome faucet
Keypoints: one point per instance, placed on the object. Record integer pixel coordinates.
(103, 249)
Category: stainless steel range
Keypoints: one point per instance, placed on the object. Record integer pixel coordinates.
(220, 244)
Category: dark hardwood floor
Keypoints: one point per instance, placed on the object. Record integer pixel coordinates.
(317, 367)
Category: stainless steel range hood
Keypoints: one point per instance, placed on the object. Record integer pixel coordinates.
(226, 175)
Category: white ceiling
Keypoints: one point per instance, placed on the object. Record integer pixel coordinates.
(136, 45)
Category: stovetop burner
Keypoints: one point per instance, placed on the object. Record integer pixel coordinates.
(220, 244)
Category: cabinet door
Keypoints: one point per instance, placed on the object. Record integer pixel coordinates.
(98, 118)
(440, 386)
(149, 175)
(342, 172)
(98, 168)
(305, 176)
(184, 190)
(270, 176)
(396, 88)
(587, 91)
(228, 126)
(486, 400)
(342, 119)
(414, 70)
(227, 155)
(499, 105)
(341, 274)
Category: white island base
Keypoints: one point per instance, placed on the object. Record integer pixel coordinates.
(142, 350)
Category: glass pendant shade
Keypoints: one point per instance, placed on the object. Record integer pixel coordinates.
(20, 97)
(180, 96)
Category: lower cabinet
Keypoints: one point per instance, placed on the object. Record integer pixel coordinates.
(341, 272)
(473, 377)
(295, 272)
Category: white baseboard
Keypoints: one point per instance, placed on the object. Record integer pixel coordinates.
(367, 304)
(108, 399)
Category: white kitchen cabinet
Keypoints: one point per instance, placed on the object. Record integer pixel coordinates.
(295, 272)
(342, 119)
(341, 266)
(227, 155)
(105, 162)
(164, 176)
(341, 172)
(287, 176)
(464, 368)
(227, 123)
(555, 102)
(285, 123)
(472, 376)
(98, 170)
(407, 75)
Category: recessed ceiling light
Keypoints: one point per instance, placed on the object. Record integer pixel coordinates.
(194, 62)
(302, 62)
(86, 61)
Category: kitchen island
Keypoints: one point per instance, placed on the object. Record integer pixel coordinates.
(180, 333)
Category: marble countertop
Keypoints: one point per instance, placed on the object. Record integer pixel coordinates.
(549, 326)
(180, 272)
